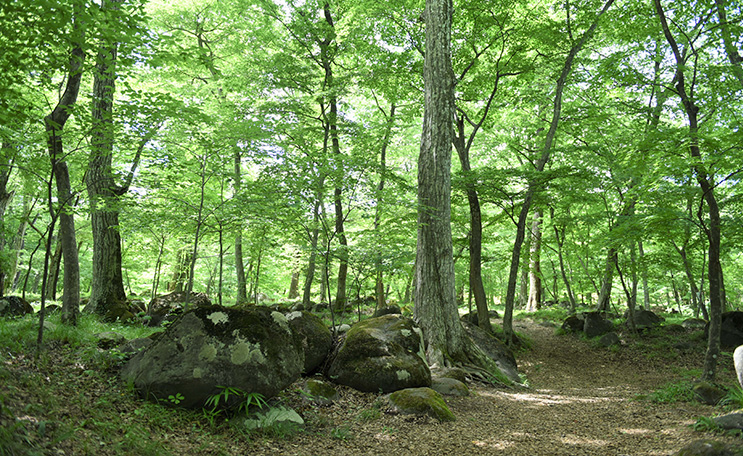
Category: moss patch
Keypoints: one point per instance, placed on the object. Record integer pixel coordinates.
(421, 401)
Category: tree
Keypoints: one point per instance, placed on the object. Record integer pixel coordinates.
(706, 183)
(54, 123)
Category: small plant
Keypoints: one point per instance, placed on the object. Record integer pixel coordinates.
(369, 414)
(176, 399)
(706, 424)
(733, 399)
(341, 433)
(672, 392)
(242, 401)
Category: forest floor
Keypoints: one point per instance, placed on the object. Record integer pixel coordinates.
(581, 400)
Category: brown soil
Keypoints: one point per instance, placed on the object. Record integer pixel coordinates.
(581, 400)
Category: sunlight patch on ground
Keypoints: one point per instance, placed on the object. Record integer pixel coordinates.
(494, 444)
(546, 399)
(635, 431)
(576, 440)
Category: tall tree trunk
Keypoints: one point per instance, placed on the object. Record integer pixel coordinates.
(314, 233)
(6, 166)
(644, 273)
(604, 300)
(242, 295)
(328, 48)
(535, 268)
(540, 164)
(54, 124)
(560, 241)
(712, 227)
(435, 295)
(736, 61)
(379, 279)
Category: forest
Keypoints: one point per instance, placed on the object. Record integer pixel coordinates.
(571, 155)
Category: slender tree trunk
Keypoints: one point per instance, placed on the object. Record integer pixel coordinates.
(736, 61)
(294, 285)
(540, 164)
(560, 241)
(242, 295)
(6, 166)
(312, 261)
(712, 226)
(54, 124)
(644, 273)
(379, 279)
(607, 283)
(535, 268)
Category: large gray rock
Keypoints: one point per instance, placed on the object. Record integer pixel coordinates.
(573, 324)
(731, 421)
(710, 448)
(731, 329)
(169, 306)
(313, 336)
(381, 354)
(251, 349)
(645, 319)
(594, 324)
(495, 350)
(419, 401)
(14, 306)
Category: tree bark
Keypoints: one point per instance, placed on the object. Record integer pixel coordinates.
(242, 283)
(736, 61)
(435, 295)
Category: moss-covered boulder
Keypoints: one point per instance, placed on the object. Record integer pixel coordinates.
(495, 350)
(449, 387)
(14, 306)
(313, 336)
(320, 392)
(169, 306)
(381, 354)
(420, 401)
(251, 349)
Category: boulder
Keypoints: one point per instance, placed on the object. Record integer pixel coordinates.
(168, 306)
(731, 330)
(419, 401)
(109, 339)
(708, 393)
(388, 310)
(381, 354)
(731, 421)
(320, 392)
(449, 387)
(709, 448)
(692, 324)
(495, 350)
(14, 306)
(645, 319)
(594, 324)
(471, 317)
(573, 324)
(252, 350)
(609, 339)
(313, 336)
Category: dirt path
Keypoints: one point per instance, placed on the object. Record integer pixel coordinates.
(581, 401)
